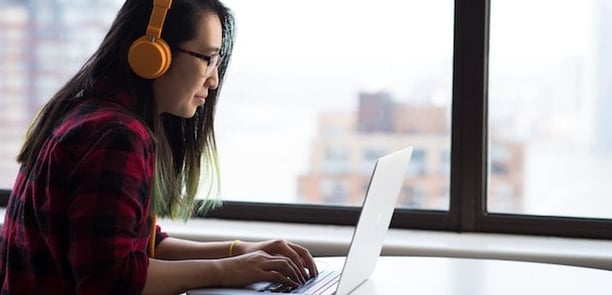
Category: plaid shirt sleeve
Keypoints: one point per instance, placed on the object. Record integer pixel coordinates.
(108, 214)
(79, 221)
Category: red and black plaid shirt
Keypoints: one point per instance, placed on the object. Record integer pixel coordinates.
(79, 222)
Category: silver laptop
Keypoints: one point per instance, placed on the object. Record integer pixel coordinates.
(368, 237)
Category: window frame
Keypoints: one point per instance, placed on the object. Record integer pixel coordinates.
(468, 180)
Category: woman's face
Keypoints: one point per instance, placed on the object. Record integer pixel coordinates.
(185, 85)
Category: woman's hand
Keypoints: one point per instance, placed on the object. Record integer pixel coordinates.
(260, 266)
(299, 255)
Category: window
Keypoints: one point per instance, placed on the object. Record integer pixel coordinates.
(319, 94)
(44, 43)
(417, 163)
(550, 101)
(504, 115)
(336, 160)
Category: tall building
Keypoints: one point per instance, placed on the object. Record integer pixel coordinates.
(43, 44)
(346, 148)
(375, 113)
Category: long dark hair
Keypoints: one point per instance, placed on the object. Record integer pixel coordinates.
(182, 145)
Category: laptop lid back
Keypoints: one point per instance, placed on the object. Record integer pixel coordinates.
(374, 220)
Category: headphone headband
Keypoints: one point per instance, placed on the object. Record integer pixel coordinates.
(158, 15)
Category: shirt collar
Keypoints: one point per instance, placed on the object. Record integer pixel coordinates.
(107, 90)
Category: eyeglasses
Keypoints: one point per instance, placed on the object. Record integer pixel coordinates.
(212, 62)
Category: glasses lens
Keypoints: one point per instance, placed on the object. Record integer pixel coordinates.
(213, 63)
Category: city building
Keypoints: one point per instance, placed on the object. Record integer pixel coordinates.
(43, 45)
(348, 144)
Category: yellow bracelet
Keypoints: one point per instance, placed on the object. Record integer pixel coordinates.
(232, 246)
(152, 236)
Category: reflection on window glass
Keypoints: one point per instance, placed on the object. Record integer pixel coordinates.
(550, 104)
(316, 91)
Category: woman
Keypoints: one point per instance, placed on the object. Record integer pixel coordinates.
(111, 151)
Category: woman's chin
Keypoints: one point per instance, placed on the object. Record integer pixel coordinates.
(187, 114)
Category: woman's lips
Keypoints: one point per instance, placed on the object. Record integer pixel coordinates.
(201, 98)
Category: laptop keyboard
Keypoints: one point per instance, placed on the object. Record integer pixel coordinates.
(324, 283)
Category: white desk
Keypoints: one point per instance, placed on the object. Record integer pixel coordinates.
(433, 275)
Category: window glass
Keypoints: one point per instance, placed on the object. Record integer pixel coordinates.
(316, 91)
(43, 44)
(550, 107)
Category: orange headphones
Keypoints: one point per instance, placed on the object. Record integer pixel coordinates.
(150, 56)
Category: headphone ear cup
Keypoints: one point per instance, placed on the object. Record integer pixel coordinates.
(149, 59)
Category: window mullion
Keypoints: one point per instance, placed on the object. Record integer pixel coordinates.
(468, 146)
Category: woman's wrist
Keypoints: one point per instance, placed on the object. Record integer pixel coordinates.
(232, 249)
